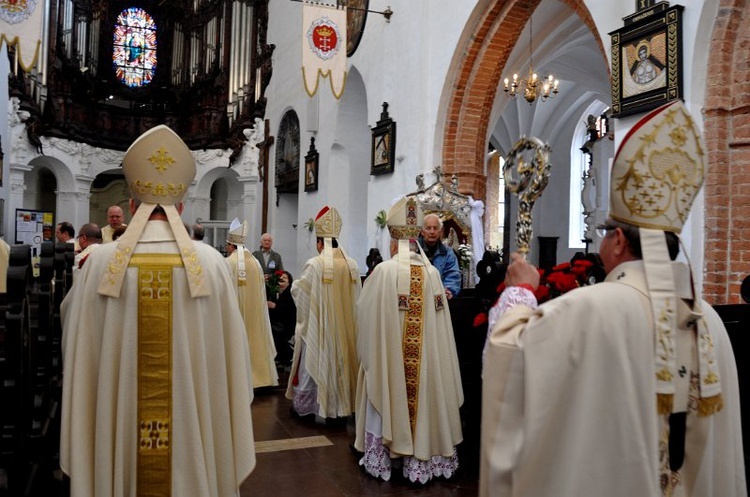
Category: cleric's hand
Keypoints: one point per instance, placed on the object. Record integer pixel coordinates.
(520, 272)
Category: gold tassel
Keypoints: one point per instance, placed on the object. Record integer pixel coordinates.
(664, 403)
(710, 405)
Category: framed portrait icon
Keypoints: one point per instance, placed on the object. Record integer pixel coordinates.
(383, 144)
(311, 168)
(647, 62)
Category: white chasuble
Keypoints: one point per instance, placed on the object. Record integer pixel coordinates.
(569, 404)
(155, 376)
(251, 295)
(409, 366)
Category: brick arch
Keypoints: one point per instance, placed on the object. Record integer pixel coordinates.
(476, 79)
(727, 131)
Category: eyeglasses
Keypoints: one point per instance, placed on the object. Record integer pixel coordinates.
(603, 229)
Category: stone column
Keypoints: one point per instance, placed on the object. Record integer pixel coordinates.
(249, 209)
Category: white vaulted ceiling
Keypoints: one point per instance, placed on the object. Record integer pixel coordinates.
(565, 47)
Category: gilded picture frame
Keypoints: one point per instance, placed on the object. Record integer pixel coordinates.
(647, 62)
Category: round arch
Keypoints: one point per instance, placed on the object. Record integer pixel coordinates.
(63, 174)
(476, 73)
(234, 190)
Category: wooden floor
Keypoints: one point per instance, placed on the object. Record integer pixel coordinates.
(304, 457)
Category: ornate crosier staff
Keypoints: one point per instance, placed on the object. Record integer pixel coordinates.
(532, 179)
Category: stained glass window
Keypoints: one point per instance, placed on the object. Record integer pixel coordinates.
(134, 47)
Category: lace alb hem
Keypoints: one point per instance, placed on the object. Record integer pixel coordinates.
(305, 401)
(377, 462)
(423, 471)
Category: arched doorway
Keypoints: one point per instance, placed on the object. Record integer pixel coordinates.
(109, 188)
(479, 65)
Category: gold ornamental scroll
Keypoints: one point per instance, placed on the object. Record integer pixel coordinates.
(154, 430)
(526, 179)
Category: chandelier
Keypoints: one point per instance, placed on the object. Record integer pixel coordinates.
(532, 86)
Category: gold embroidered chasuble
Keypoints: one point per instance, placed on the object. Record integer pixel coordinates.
(154, 375)
(409, 366)
(564, 389)
(251, 294)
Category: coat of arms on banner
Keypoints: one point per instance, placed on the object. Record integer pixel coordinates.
(324, 38)
(323, 47)
(16, 11)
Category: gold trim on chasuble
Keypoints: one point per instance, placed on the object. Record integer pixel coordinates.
(154, 459)
(412, 343)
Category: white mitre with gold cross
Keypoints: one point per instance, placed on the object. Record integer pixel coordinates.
(158, 168)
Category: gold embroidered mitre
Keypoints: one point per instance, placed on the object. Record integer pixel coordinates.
(404, 222)
(328, 223)
(657, 173)
(658, 170)
(159, 167)
(328, 226)
(405, 219)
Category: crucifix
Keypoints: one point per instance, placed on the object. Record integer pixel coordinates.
(264, 147)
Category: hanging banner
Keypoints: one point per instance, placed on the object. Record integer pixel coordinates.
(21, 25)
(323, 47)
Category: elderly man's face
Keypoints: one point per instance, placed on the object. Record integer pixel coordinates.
(115, 217)
(266, 241)
(431, 230)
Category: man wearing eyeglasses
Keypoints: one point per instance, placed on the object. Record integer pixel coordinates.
(628, 387)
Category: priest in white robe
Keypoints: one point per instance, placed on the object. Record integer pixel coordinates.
(157, 378)
(247, 276)
(323, 379)
(409, 387)
(628, 387)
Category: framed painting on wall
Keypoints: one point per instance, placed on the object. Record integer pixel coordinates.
(311, 167)
(383, 144)
(647, 63)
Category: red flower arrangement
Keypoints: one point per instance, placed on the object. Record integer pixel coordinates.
(563, 278)
(272, 283)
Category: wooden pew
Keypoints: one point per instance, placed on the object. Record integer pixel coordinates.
(31, 372)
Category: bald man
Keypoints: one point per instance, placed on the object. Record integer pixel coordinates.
(115, 218)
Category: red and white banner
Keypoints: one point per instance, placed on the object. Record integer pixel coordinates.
(21, 25)
(324, 47)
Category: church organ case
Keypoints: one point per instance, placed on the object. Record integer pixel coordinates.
(208, 66)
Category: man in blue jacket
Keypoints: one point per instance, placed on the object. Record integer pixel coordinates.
(443, 258)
